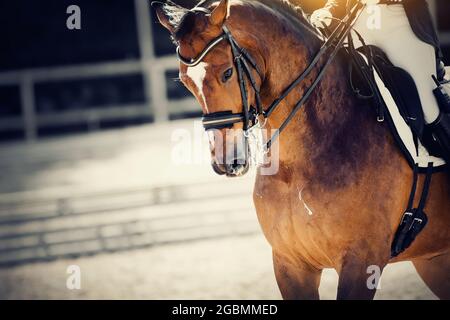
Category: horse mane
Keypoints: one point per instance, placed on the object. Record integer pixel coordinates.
(183, 20)
(291, 10)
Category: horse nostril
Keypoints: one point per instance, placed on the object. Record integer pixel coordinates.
(236, 167)
(235, 164)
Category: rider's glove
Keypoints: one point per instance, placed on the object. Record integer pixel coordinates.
(321, 18)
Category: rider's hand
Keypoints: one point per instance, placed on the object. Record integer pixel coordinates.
(321, 18)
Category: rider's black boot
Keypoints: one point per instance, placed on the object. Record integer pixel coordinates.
(440, 129)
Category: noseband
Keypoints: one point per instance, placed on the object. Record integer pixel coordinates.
(243, 61)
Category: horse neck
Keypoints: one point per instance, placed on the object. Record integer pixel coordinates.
(282, 48)
(290, 53)
(333, 132)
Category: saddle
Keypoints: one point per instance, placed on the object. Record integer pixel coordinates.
(394, 96)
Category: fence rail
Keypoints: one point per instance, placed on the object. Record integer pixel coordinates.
(152, 67)
(35, 227)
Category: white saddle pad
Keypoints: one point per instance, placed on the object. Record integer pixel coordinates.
(404, 132)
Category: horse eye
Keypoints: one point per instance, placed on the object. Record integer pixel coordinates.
(227, 75)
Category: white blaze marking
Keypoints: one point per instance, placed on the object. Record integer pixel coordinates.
(197, 74)
(304, 203)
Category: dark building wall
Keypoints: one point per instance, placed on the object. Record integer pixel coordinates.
(34, 33)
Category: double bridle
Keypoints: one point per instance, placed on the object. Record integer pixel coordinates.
(243, 61)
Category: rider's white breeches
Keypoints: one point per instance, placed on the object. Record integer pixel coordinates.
(387, 27)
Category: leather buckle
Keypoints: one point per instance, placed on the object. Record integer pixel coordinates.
(405, 215)
(418, 220)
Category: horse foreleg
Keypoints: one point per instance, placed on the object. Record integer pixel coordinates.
(359, 278)
(435, 272)
(297, 280)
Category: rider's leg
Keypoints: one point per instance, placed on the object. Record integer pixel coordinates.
(394, 35)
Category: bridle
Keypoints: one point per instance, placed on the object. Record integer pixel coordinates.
(243, 61)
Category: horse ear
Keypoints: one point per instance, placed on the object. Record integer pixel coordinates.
(162, 15)
(220, 13)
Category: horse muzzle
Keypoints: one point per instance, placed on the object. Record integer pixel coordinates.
(237, 168)
(219, 168)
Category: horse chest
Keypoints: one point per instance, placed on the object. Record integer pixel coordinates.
(286, 214)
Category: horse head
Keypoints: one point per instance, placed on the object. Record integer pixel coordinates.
(233, 59)
(215, 79)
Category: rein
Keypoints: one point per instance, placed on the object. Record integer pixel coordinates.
(250, 114)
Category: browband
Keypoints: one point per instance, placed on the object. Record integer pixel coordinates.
(197, 60)
(200, 9)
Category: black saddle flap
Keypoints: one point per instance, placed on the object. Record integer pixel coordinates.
(402, 88)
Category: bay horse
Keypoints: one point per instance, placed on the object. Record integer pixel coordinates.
(342, 184)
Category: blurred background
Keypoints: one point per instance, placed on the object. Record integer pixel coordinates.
(86, 173)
